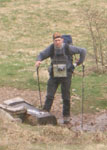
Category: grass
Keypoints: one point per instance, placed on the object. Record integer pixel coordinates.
(19, 73)
(23, 34)
(26, 28)
(48, 137)
(3, 1)
(93, 88)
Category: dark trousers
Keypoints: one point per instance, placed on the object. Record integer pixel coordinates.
(52, 86)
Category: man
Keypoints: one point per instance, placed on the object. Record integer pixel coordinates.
(61, 70)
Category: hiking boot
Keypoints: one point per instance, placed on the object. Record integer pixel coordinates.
(44, 110)
(66, 120)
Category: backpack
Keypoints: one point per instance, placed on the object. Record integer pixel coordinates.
(67, 39)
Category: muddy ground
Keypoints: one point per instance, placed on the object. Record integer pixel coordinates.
(91, 123)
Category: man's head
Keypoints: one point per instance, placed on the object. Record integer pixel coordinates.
(57, 39)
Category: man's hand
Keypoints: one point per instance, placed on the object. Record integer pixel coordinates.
(75, 65)
(37, 64)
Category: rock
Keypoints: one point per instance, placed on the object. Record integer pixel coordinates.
(6, 116)
(21, 109)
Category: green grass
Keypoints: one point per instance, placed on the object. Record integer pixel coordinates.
(3, 147)
(94, 92)
(58, 147)
(17, 71)
(5, 0)
(26, 28)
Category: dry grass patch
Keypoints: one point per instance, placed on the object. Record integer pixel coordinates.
(20, 136)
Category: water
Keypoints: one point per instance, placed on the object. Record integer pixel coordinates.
(91, 123)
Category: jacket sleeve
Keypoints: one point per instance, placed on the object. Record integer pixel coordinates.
(44, 54)
(76, 50)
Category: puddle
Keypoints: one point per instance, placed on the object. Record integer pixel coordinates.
(91, 123)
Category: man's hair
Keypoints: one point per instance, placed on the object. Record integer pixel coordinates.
(57, 35)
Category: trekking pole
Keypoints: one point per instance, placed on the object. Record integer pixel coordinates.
(83, 67)
(37, 69)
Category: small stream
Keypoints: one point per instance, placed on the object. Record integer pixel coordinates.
(92, 124)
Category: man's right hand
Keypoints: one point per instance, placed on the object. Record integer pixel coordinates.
(37, 64)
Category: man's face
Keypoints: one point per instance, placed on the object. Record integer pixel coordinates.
(58, 42)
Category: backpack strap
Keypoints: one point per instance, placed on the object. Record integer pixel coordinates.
(66, 49)
(52, 50)
(68, 53)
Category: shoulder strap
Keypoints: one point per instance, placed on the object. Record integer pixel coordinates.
(52, 50)
(68, 53)
(66, 49)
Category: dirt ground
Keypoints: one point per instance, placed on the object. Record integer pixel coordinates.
(91, 123)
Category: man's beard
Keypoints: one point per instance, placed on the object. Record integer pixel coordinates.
(58, 48)
(58, 51)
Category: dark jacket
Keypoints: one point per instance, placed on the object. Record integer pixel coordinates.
(47, 53)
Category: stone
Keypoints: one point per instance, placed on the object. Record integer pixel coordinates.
(13, 101)
(19, 108)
